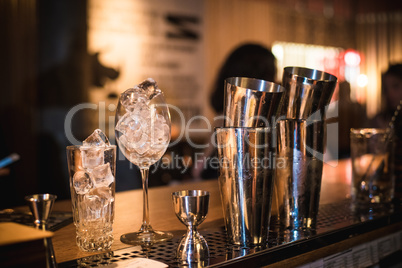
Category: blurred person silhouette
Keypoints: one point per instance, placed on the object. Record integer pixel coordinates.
(391, 95)
(247, 60)
(350, 115)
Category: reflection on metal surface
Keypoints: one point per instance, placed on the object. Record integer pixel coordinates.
(41, 206)
(300, 143)
(191, 208)
(251, 102)
(297, 186)
(306, 92)
(245, 183)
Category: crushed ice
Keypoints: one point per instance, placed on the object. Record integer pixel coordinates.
(142, 128)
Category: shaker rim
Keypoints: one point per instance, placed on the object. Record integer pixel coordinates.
(254, 84)
(246, 128)
(309, 74)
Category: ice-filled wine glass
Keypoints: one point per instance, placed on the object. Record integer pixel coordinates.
(143, 134)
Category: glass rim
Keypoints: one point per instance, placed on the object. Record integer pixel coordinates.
(40, 197)
(191, 193)
(362, 131)
(70, 147)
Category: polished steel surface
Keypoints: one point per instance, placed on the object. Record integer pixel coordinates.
(306, 91)
(191, 208)
(251, 102)
(41, 206)
(246, 175)
(297, 184)
(300, 146)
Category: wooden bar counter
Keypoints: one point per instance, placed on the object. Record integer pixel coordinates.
(128, 217)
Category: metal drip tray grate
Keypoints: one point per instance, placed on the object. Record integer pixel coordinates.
(334, 214)
(163, 252)
(56, 219)
(330, 216)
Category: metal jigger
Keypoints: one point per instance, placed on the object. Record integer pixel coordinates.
(191, 208)
(41, 206)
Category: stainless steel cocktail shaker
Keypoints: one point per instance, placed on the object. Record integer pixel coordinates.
(300, 152)
(245, 183)
(247, 153)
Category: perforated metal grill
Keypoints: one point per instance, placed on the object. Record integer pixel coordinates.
(219, 249)
(334, 214)
(163, 252)
(55, 221)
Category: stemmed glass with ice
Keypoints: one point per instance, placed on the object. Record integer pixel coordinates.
(143, 135)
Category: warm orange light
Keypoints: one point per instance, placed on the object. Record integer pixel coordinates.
(362, 80)
(352, 58)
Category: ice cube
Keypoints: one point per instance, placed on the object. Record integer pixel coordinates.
(156, 134)
(160, 133)
(129, 124)
(133, 142)
(131, 97)
(92, 157)
(98, 198)
(159, 119)
(143, 148)
(97, 138)
(82, 182)
(102, 176)
(125, 143)
(164, 134)
(138, 140)
(143, 112)
(149, 87)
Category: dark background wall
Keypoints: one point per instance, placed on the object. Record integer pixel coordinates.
(43, 73)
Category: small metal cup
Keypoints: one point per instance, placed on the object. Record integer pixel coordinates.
(191, 208)
(251, 102)
(41, 206)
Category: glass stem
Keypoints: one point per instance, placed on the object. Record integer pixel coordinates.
(145, 210)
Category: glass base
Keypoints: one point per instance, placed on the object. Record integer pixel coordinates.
(145, 237)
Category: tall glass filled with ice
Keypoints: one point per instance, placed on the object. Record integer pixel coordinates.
(92, 169)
